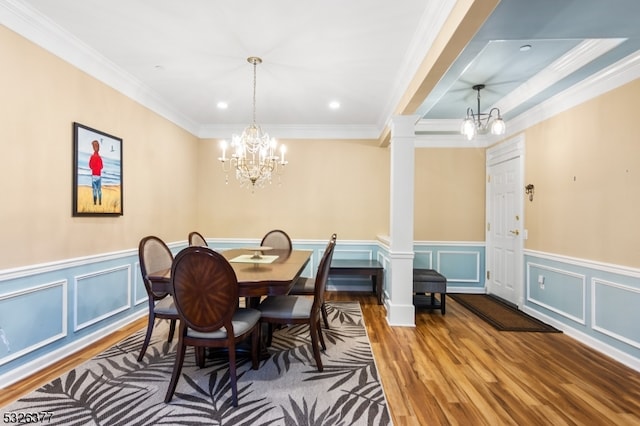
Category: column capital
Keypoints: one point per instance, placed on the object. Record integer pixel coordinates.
(403, 125)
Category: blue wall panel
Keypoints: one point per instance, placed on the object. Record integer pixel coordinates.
(615, 311)
(100, 295)
(600, 301)
(562, 291)
(51, 308)
(462, 263)
(31, 318)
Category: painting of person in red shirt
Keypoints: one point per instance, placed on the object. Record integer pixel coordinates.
(95, 164)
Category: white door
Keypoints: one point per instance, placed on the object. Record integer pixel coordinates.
(505, 230)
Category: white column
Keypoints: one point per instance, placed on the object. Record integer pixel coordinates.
(400, 308)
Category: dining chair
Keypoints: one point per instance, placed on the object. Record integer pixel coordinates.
(196, 239)
(290, 309)
(154, 256)
(305, 286)
(205, 291)
(278, 240)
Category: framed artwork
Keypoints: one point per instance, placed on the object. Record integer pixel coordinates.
(97, 173)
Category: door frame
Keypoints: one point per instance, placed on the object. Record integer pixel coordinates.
(513, 148)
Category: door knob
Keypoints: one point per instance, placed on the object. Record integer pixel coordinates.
(515, 232)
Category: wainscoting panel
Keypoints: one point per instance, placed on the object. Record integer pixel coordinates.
(383, 258)
(31, 319)
(139, 291)
(615, 311)
(423, 259)
(463, 263)
(561, 291)
(100, 295)
(460, 266)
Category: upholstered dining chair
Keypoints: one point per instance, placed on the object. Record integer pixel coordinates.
(196, 239)
(205, 291)
(277, 239)
(155, 256)
(305, 286)
(289, 309)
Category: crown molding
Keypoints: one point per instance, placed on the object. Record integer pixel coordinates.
(37, 28)
(612, 77)
(225, 131)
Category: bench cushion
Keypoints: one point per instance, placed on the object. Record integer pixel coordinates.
(429, 281)
(429, 275)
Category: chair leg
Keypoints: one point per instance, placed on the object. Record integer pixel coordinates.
(269, 333)
(147, 337)
(256, 337)
(200, 356)
(325, 316)
(324, 347)
(172, 329)
(177, 368)
(313, 328)
(232, 374)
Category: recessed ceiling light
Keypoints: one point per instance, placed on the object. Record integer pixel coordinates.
(222, 105)
(334, 104)
(525, 47)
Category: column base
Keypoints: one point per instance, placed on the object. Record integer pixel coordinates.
(401, 315)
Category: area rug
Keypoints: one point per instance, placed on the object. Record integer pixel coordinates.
(287, 389)
(499, 314)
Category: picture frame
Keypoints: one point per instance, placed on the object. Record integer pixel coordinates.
(97, 173)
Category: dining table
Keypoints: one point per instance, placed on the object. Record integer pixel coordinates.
(259, 274)
(268, 273)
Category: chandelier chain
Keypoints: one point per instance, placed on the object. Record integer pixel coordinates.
(255, 62)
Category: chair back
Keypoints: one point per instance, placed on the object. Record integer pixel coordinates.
(196, 239)
(154, 256)
(322, 274)
(278, 240)
(205, 289)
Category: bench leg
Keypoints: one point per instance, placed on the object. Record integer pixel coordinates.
(443, 296)
(376, 281)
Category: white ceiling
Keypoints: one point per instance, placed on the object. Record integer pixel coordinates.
(180, 58)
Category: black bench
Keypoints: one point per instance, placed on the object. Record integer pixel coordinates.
(429, 281)
(361, 267)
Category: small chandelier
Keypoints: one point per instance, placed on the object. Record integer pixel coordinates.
(253, 155)
(481, 121)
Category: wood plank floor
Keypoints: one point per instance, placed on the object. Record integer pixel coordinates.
(456, 369)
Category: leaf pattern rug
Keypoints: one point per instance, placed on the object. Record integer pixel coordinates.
(115, 389)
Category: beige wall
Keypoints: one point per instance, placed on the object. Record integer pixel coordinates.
(328, 186)
(449, 194)
(585, 165)
(583, 162)
(40, 97)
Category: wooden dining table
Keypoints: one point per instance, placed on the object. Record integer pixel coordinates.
(255, 279)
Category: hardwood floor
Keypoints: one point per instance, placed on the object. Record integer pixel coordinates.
(456, 369)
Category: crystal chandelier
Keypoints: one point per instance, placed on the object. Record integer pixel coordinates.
(253, 153)
(482, 121)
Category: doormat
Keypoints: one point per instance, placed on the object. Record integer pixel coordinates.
(501, 315)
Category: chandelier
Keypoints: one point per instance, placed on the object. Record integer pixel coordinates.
(253, 153)
(480, 122)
